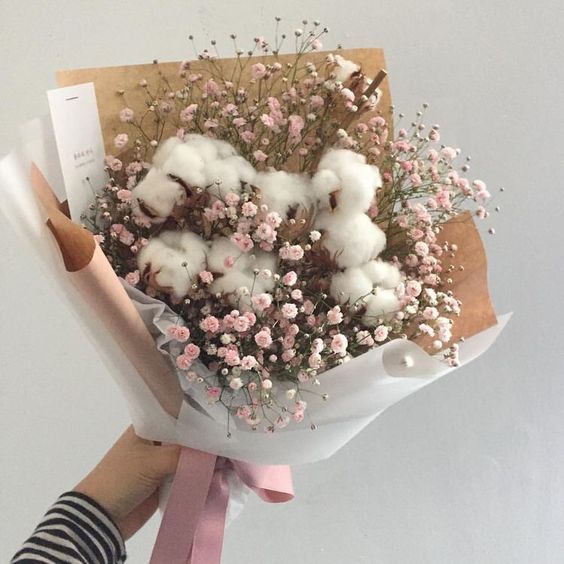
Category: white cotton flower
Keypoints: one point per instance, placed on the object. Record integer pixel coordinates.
(186, 163)
(345, 182)
(157, 195)
(350, 286)
(341, 72)
(226, 175)
(209, 149)
(237, 285)
(345, 68)
(171, 261)
(282, 191)
(381, 304)
(382, 274)
(164, 151)
(352, 239)
(222, 252)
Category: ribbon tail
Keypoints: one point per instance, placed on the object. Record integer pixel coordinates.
(208, 541)
(187, 500)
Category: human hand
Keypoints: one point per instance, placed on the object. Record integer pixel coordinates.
(126, 480)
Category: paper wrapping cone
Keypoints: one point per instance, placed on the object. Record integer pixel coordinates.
(101, 289)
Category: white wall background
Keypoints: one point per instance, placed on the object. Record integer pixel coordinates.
(467, 471)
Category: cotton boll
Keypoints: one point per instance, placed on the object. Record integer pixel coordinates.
(381, 304)
(220, 250)
(244, 168)
(190, 244)
(382, 274)
(157, 195)
(204, 146)
(339, 159)
(224, 149)
(350, 285)
(165, 150)
(345, 175)
(186, 163)
(172, 261)
(263, 261)
(352, 239)
(233, 284)
(281, 191)
(344, 68)
(324, 183)
(226, 175)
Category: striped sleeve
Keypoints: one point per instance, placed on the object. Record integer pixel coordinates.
(76, 529)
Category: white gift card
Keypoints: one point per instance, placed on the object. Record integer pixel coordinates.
(80, 144)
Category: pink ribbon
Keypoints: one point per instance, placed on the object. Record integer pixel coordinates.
(193, 523)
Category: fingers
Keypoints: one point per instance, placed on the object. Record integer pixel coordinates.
(164, 459)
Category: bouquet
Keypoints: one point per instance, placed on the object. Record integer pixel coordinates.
(271, 265)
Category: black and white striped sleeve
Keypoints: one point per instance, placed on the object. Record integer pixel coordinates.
(75, 530)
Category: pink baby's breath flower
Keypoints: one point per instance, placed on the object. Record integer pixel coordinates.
(266, 232)
(229, 262)
(380, 333)
(421, 248)
(115, 164)
(263, 338)
(339, 344)
(317, 345)
(132, 278)
(183, 361)
(99, 238)
(260, 156)
(232, 357)
(251, 317)
(316, 102)
(290, 278)
(334, 316)
(289, 311)
(249, 209)
(243, 241)
(232, 199)
(192, 351)
(297, 295)
(241, 324)
(295, 126)
(266, 384)
(430, 313)
(274, 219)
(248, 137)
(316, 45)
(179, 333)
(126, 115)
(258, 70)
(239, 122)
(210, 324)
(309, 307)
(364, 338)
(248, 362)
(206, 277)
(413, 288)
(120, 140)
(449, 153)
(124, 195)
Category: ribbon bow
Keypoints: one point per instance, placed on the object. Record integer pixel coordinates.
(193, 523)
